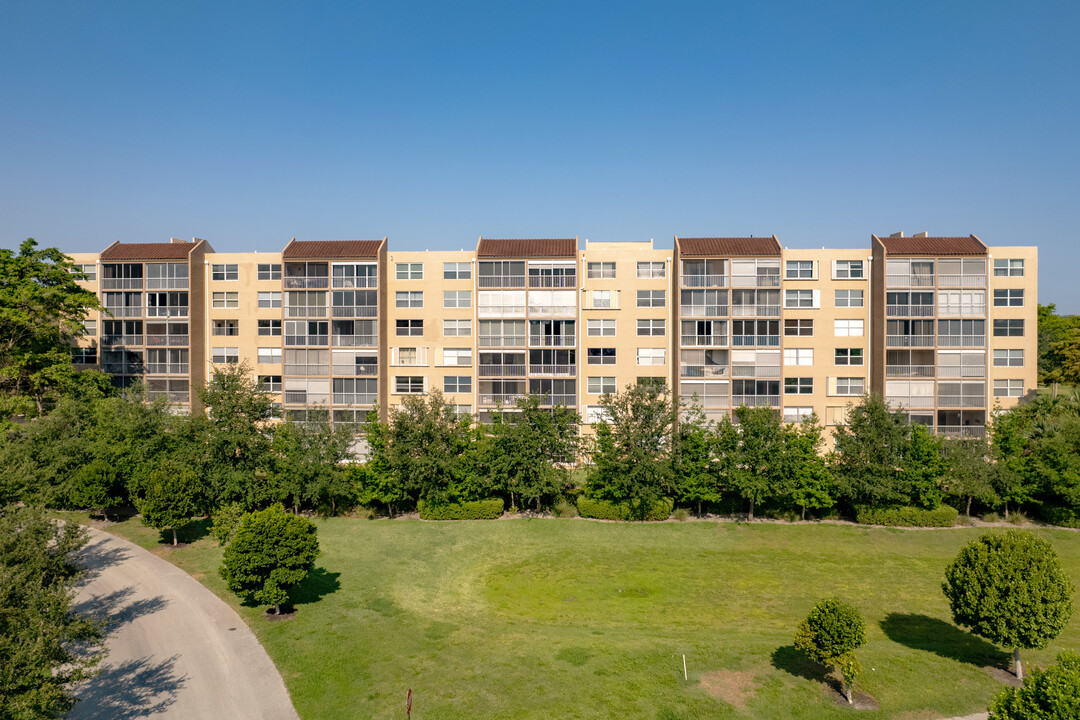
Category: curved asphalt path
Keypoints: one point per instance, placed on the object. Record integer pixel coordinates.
(175, 649)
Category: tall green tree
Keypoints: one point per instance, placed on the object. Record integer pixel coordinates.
(171, 497)
(922, 467)
(1053, 329)
(305, 463)
(810, 479)
(761, 471)
(697, 477)
(970, 475)
(869, 454)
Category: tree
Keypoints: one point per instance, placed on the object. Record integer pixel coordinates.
(632, 449)
(869, 453)
(41, 312)
(922, 467)
(1010, 589)
(45, 647)
(969, 476)
(304, 463)
(374, 482)
(760, 472)
(270, 553)
(96, 486)
(1051, 694)
(811, 482)
(830, 635)
(1063, 357)
(1053, 329)
(171, 497)
(696, 478)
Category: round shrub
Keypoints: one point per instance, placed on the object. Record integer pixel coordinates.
(1051, 694)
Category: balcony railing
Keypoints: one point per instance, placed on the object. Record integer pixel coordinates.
(303, 397)
(693, 311)
(344, 311)
(121, 283)
(755, 280)
(307, 340)
(114, 368)
(755, 400)
(174, 396)
(961, 340)
(552, 281)
(552, 340)
(356, 369)
(501, 310)
(302, 283)
(909, 371)
(166, 283)
(499, 398)
(755, 340)
(755, 311)
(971, 310)
(166, 368)
(909, 280)
(916, 402)
(962, 430)
(353, 340)
(307, 369)
(355, 398)
(170, 340)
(717, 401)
(502, 371)
(501, 281)
(502, 341)
(961, 371)
(553, 310)
(951, 280)
(348, 283)
(704, 340)
(306, 311)
(961, 401)
(560, 399)
(121, 340)
(704, 281)
(909, 341)
(755, 371)
(127, 311)
(909, 310)
(168, 311)
(566, 370)
(703, 371)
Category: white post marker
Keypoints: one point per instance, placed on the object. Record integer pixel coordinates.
(684, 668)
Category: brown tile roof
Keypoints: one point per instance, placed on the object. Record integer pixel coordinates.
(147, 251)
(562, 248)
(331, 249)
(729, 246)
(933, 245)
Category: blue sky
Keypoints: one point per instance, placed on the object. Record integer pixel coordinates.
(433, 123)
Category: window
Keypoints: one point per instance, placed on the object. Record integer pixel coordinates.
(409, 328)
(456, 271)
(224, 272)
(89, 327)
(269, 272)
(651, 328)
(457, 328)
(1008, 388)
(1008, 358)
(457, 384)
(84, 355)
(599, 385)
(409, 384)
(848, 298)
(800, 299)
(409, 299)
(847, 269)
(651, 270)
(1008, 267)
(848, 328)
(269, 299)
(269, 355)
(651, 381)
(651, 356)
(849, 386)
(457, 356)
(799, 328)
(798, 356)
(222, 355)
(89, 270)
(600, 328)
(1008, 328)
(226, 327)
(457, 298)
(409, 271)
(600, 356)
(798, 386)
(651, 298)
(601, 299)
(601, 270)
(797, 414)
(1008, 298)
(269, 328)
(848, 356)
(226, 300)
(270, 383)
(799, 270)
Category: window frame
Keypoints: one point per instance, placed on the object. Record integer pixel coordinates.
(412, 271)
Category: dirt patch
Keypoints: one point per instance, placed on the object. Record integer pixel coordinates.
(862, 700)
(1003, 676)
(287, 613)
(732, 686)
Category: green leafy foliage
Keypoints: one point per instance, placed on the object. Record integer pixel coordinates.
(906, 516)
(1051, 694)
(470, 510)
(607, 510)
(270, 553)
(830, 635)
(305, 464)
(171, 497)
(1058, 343)
(969, 476)
(227, 519)
(870, 450)
(96, 485)
(761, 469)
(1010, 589)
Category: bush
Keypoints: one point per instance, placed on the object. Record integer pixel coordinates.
(991, 517)
(830, 635)
(1018, 518)
(227, 519)
(904, 516)
(607, 510)
(1060, 516)
(564, 509)
(682, 514)
(474, 510)
(1051, 694)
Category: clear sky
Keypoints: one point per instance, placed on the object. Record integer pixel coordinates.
(434, 123)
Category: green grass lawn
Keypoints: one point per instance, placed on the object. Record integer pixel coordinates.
(579, 619)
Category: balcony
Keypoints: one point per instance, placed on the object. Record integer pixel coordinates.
(347, 311)
(961, 280)
(500, 398)
(115, 368)
(320, 340)
(501, 281)
(304, 283)
(909, 371)
(502, 341)
(303, 397)
(703, 371)
(562, 370)
(168, 311)
(755, 280)
(970, 431)
(167, 283)
(962, 310)
(502, 370)
(909, 341)
(122, 312)
(904, 281)
(355, 398)
(755, 340)
(350, 283)
(552, 281)
(961, 371)
(306, 311)
(755, 310)
(166, 368)
(909, 310)
(552, 340)
(761, 371)
(694, 281)
(715, 402)
(307, 369)
(121, 340)
(167, 340)
(961, 401)
(756, 400)
(696, 311)
(356, 370)
(353, 340)
(122, 283)
(913, 402)
(560, 399)
(704, 340)
(961, 341)
(494, 311)
(552, 310)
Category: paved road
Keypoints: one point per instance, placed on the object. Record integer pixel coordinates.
(175, 649)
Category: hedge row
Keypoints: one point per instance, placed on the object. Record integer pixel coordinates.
(475, 510)
(1059, 515)
(606, 510)
(943, 516)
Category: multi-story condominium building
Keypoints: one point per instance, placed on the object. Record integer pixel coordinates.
(944, 328)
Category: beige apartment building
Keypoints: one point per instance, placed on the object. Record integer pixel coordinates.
(944, 328)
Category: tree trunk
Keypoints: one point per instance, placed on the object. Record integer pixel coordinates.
(277, 609)
(1018, 665)
(1053, 391)
(174, 537)
(848, 694)
(512, 499)
(969, 507)
(537, 503)
(699, 508)
(1006, 509)
(750, 516)
(803, 512)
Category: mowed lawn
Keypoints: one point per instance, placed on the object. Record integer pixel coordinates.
(578, 619)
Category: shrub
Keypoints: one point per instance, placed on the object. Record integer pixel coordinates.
(1018, 518)
(227, 519)
(607, 510)
(474, 510)
(681, 514)
(564, 509)
(1060, 516)
(905, 516)
(1051, 694)
(991, 517)
(830, 635)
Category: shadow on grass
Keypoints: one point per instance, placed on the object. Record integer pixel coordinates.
(195, 530)
(921, 632)
(318, 584)
(791, 661)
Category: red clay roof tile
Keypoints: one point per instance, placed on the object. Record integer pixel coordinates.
(933, 245)
(538, 248)
(147, 251)
(331, 249)
(728, 246)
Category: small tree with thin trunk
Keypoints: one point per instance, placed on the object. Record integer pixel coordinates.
(171, 497)
(1010, 589)
(830, 635)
